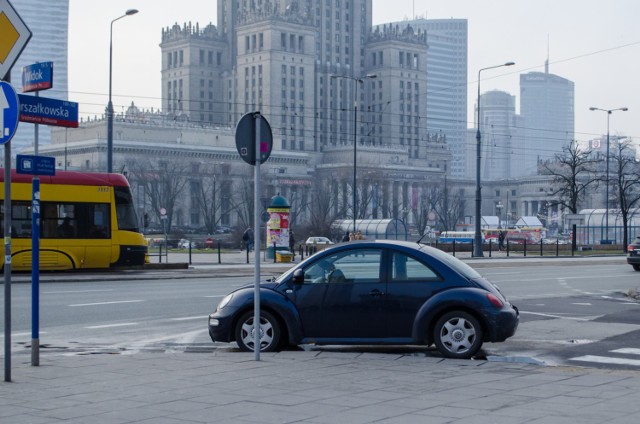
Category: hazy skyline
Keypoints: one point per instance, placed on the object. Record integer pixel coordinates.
(595, 44)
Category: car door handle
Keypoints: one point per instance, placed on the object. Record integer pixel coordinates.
(376, 292)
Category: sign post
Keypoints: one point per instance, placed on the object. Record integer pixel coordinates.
(254, 141)
(14, 36)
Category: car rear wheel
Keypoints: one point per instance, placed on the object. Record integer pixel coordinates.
(270, 332)
(458, 335)
(636, 267)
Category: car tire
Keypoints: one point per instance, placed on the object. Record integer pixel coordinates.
(458, 335)
(636, 267)
(269, 328)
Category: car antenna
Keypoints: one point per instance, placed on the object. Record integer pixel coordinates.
(420, 239)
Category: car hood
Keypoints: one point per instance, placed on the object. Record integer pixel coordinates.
(263, 284)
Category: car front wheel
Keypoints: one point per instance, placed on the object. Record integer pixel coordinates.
(270, 332)
(458, 335)
(636, 267)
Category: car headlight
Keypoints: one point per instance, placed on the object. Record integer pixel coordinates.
(224, 302)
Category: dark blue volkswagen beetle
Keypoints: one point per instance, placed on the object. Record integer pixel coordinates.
(371, 292)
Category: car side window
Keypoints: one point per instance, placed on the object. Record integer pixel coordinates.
(406, 268)
(352, 266)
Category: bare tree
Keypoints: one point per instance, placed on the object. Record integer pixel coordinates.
(208, 195)
(163, 182)
(447, 205)
(322, 214)
(626, 184)
(573, 172)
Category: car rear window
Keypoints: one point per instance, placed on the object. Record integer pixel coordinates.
(454, 263)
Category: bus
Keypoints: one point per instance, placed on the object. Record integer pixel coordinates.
(87, 221)
(458, 237)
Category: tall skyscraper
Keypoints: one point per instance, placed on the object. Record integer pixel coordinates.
(49, 24)
(547, 107)
(500, 135)
(445, 97)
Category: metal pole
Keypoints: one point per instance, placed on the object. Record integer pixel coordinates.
(606, 212)
(110, 104)
(256, 241)
(477, 245)
(35, 260)
(355, 146)
(7, 261)
(477, 248)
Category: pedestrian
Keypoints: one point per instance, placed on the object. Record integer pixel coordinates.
(292, 244)
(346, 237)
(247, 238)
(501, 236)
(359, 235)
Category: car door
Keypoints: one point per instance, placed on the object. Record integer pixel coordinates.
(410, 283)
(342, 296)
(353, 306)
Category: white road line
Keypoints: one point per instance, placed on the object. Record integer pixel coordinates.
(606, 360)
(22, 334)
(75, 291)
(221, 295)
(126, 324)
(554, 316)
(106, 303)
(203, 317)
(629, 350)
(582, 304)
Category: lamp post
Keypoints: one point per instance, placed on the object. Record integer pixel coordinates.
(110, 105)
(355, 136)
(477, 239)
(606, 212)
(499, 207)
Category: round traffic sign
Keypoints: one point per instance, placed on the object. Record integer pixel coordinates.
(9, 112)
(246, 138)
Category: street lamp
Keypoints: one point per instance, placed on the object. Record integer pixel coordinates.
(477, 239)
(110, 105)
(355, 135)
(606, 212)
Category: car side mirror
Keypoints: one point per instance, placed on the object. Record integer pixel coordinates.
(298, 276)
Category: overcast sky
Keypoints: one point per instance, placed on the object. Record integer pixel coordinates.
(594, 43)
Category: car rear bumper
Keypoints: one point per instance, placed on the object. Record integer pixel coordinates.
(633, 260)
(504, 325)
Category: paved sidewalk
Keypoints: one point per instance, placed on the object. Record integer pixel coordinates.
(310, 387)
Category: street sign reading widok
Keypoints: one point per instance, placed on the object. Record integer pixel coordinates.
(246, 138)
(38, 76)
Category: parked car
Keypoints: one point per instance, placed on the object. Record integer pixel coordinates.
(318, 240)
(633, 254)
(371, 292)
(186, 244)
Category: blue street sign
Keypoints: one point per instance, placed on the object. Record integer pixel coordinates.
(36, 77)
(35, 165)
(43, 110)
(9, 107)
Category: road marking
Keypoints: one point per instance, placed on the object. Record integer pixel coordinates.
(75, 291)
(106, 303)
(606, 360)
(221, 295)
(583, 304)
(190, 318)
(629, 350)
(126, 324)
(554, 316)
(22, 334)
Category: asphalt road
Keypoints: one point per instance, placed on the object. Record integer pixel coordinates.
(577, 315)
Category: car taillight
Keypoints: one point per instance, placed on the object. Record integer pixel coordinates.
(494, 300)
(630, 248)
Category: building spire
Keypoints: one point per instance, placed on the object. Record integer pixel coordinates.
(546, 62)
